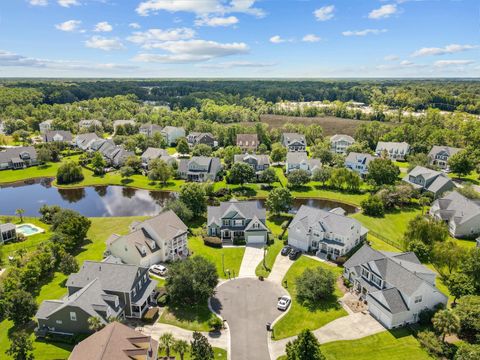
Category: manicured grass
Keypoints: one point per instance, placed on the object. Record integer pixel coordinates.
(232, 256)
(473, 177)
(397, 344)
(100, 230)
(301, 317)
(48, 170)
(392, 226)
(315, 190)
(380, 245)
(188, 317)
(219, 354)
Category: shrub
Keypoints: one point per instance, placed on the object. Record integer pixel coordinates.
(215, 323)
(212, 241)
(69, 172)
(420, 249)
(430, 342)
(315, 284)
(373, 206)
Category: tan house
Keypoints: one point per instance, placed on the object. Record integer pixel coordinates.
(247, 142)
(116, 342)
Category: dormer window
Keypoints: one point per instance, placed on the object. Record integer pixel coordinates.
(377, 281)
(365, 273)
(256, 226)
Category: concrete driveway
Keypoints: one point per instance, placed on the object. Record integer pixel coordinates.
(280, 268)
(252, 257)
(247, 305)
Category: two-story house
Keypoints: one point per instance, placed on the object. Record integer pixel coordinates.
(396, 151)
(114, 155)
(257, 162)
(429, 180)
(172, 134)
(99, 289)
(116, 341)
(156, 153)
(460, 213)
(358, 162)
(57, 136)
(340, 142)
(149, 129)
(45, 126)
(294, 142)
(18, 157)
(247, 142)
(238, 220)
(300, 161)
(328, 233)
(396, 286)
(84, 141)
(439, 155)
(199, 168)
(159, 239)
(91, 125)
(195, 138)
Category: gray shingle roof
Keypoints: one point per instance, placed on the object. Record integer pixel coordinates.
(15, 152)
(391, 299)
(447, 149)
(247, 209)
(49, 135)
(154, 153)
(7, 227)
(455, 205)
(289, 138)
(296, 157)
(393, 147)
(340, 137)
(363, 158)
(261, 159)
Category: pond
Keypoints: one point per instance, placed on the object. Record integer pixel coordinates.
(101, 201)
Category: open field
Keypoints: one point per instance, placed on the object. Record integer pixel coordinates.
(300, 317)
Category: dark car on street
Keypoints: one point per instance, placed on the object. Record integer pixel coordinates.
(294, 254)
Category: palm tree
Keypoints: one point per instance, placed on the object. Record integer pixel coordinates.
(94, 323)
(166, 341)
(181, 347)
(446, 322)
(20, 212)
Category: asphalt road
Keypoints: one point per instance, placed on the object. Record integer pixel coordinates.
(247, 305)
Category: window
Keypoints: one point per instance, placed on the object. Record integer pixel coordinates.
(256, 226)
(365, 273)
(59, 322)
(418, 299)
(73, 316)
(226, 222)
(377, 281)
(134, 292)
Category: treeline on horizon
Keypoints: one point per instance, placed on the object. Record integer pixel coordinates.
(448, 94)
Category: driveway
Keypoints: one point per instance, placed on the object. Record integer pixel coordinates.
(252, 257)
(280, 268)
(247, 305)
(349, 327)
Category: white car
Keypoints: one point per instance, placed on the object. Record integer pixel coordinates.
(284, 302)
(158, 270)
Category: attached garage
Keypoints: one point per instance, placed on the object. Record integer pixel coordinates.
(255, 239)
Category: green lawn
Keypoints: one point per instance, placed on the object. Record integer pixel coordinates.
(315, 190)
(193, 318)
(232, 256)
(220, 354)
(474, 177)
(397, 344)
(301, 317)
(100, 230)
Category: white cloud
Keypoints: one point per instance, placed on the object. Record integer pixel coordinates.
(236, 64)
(151, 38)
(103, 26)
(38, 2)
(216, 21)
(277, 39)
(363, 32)
(449, 49)
(201, 8)
(9, 59)
(406, 63)
(445, 63)
(70, 25)
(383, 11)
(324, 13)
(187, 51)
(68, 3)
(391, 58)
(311, 38)
(134, 25)
(103, 43)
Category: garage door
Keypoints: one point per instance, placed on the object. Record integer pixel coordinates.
(255, 239)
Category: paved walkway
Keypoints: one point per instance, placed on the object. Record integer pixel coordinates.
(252, 257)
(157, 329)
(280, 268)
(349, 327)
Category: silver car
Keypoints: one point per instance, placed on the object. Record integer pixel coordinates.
(284, 302)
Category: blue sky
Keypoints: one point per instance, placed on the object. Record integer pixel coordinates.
(239, 38)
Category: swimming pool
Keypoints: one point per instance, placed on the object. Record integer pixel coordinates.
(29, 229)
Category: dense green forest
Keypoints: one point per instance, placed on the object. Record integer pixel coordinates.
(448, 95)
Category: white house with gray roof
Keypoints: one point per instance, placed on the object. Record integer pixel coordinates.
(358, 162)
(149, 129)
(294, 142)
(328, 233)
(85, 141)
(156, 153)
(159, 239)
(238, 220)
(199, 168)
(257, 162)
(18, 157)
(439, 155)
(340, 142)
(87, 124)
(424, 179)
(396, 151)
(57, 136)
(396, 286)
(99, 289)
(172, 134)
(45, 126)
(300, 161)
(460, 213)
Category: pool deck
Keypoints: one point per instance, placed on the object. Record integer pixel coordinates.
(39, 229)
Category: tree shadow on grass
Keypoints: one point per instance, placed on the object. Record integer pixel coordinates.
(327, 304)
(188, 313)
(244, 191)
